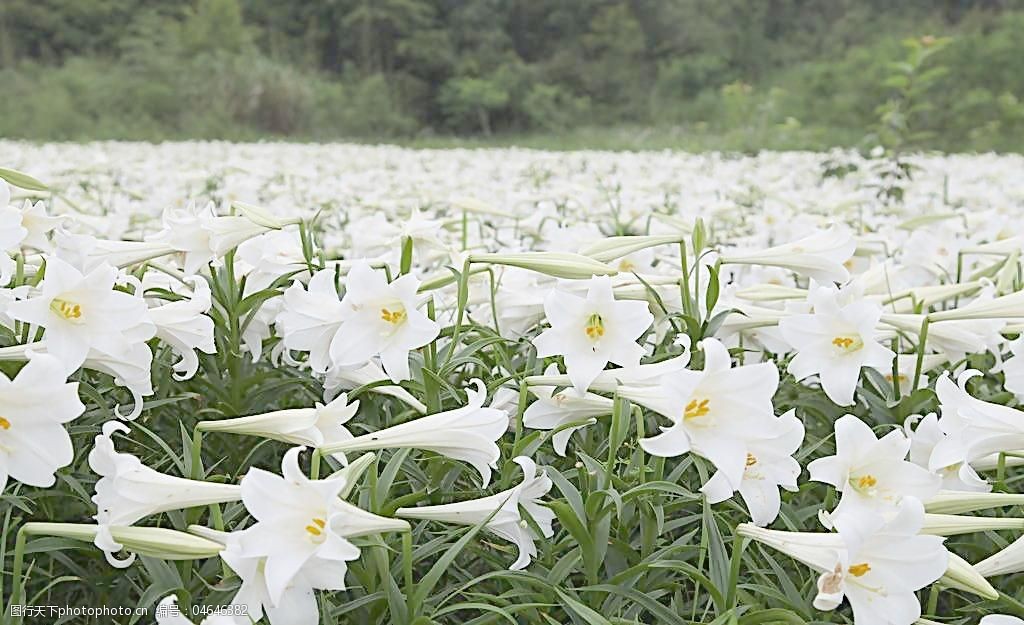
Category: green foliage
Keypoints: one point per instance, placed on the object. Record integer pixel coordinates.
(811, 76)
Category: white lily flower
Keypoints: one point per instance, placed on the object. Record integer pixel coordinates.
(468, 434)
(310, 318)
(130, 369)
(954, 338)
(1013, 369)
(1009, 307)
(974, 428)
(871, 473)
(507, 522)
(877, 571)
(381, 319)
(714, 412)
(835, 341)
(81, 312)
(820, 256)
(34, 407)
(555, 264)
(960, 476)
(185, 326)
(314, 427)
(769, 465)
(129, 491)
(201, 236)
(553, 410)
(301, 529)
(590, 332)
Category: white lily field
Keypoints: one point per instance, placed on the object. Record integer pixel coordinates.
(300, 384)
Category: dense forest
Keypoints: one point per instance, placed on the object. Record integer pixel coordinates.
(743, 74)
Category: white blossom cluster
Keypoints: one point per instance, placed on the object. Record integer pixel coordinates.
(691, 287)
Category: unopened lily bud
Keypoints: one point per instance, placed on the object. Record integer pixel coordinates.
(556, 264)
(157, 542)
(959, 502)
(954, 524)
(962, 576)
(611, 248)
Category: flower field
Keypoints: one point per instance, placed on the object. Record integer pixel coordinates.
(301, 384)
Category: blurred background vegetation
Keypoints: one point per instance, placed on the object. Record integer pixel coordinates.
(694, 74)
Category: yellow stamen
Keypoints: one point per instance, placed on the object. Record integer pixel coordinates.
(696, 409)
(595, 327)
(69, 310)
(858, 570)
(393, 317)
(316, 528)
(864, 483)
(5, 424)
(751, 459)
(848, 343)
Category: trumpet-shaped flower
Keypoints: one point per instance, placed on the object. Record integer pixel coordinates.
(871, 473)
(380, 319)
(339, 378)
(959, 476)
(820, 256)
(769, 465)
(714, 412)
(592, 331)
(468, 434)
(315, 427)
(129, 491)
(310, 318)
(877, 569)
(81, 312)
(835, 341)
(1009, 559)
(507, 522)
(34, 407)
(301, 529)
(554, 410)
(185, 326)
(610, 379)
(974, 428)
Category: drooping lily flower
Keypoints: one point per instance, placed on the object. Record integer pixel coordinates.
(468, 434)
(185, 326)
(507, 522)
(877, 569)
(129, 491)
(590, 332)
(554, 410)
